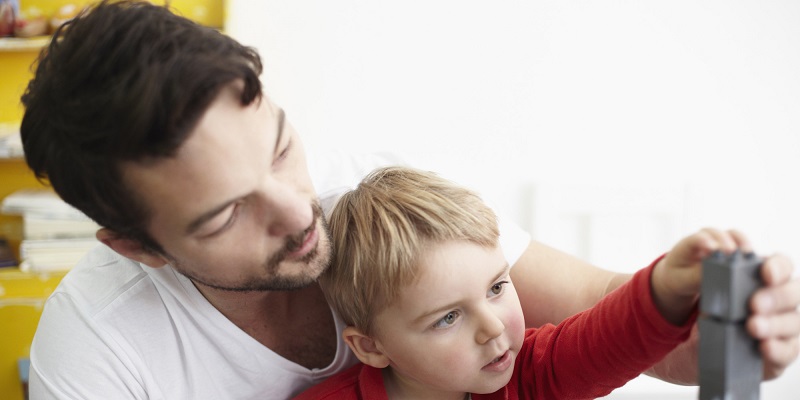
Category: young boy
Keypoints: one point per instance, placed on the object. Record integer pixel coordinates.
(419, 277)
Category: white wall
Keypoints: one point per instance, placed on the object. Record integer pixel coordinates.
(509, 94)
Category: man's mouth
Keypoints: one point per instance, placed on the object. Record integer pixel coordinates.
(308, 243)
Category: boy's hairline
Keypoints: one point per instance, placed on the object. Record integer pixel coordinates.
(419, 268)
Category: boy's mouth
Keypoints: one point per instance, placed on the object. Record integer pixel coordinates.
(500, 363)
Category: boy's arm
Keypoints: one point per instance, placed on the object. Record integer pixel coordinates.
(591, 353)
(553, 285)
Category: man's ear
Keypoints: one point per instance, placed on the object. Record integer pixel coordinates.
(365, 348)
(130, 248)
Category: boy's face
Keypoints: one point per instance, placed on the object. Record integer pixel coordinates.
(459, 328)
(235, 208)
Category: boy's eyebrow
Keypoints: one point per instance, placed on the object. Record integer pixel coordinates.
(504, 270)
(210, 214)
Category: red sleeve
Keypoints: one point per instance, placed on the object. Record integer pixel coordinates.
(594, 352)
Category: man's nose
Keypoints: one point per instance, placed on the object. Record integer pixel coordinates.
(287, 210)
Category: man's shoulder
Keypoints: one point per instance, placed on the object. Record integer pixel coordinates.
(99, 279)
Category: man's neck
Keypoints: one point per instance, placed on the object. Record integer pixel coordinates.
(298, 325)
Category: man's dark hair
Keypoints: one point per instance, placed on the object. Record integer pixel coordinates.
(124, 82)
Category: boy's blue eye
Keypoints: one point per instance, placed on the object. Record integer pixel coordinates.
(448, 320)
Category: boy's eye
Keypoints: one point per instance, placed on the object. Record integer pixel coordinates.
(497, 288)
(448, 320)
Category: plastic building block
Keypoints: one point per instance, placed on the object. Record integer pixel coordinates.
(728, 282)
(730, 364)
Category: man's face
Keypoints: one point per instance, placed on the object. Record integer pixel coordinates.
(458, 328)
(235, 208)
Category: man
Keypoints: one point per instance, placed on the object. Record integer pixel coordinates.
(157, 129)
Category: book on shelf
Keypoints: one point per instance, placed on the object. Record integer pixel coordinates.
(42, 255)
(54, 234)
(10, 141)
(7, 258)
(37, 226)
(42, 202)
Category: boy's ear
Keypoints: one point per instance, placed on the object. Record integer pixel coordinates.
(130, 248)
(365, 348)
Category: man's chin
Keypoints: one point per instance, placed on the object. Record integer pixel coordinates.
(303, 273)
(275, 283)
(299, 274)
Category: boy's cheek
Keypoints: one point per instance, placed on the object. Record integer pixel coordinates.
(516, 325)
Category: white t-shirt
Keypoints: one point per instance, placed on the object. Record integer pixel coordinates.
(115, 329)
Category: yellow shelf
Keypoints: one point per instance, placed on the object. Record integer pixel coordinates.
(17, 71)
(16, 285)
(22, 295)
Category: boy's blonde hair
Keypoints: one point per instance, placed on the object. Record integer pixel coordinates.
(380, 229)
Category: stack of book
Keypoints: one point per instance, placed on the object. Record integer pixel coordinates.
(10, 141)
(54, 234)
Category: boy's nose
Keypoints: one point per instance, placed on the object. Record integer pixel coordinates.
(489, 327)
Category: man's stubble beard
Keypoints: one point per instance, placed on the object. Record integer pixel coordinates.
(315, 262)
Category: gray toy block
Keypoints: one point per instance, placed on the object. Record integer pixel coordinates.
(729, 361)
(728, 282)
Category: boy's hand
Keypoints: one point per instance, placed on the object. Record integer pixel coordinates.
(676, 278)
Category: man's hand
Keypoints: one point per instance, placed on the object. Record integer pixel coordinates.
(775, 320)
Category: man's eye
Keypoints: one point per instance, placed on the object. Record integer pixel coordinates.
(284, 153)
(447, 321)
(228, 222)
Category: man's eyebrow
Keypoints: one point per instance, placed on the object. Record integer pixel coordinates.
(281, 124)
(503, 271)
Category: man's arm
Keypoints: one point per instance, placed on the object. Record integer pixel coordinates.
(553, 285)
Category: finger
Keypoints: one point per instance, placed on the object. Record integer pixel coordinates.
(769, 300)
(777, 355)
(701, 244)
(777, 269)
(742, 242)
(723, 240)
(781, 326)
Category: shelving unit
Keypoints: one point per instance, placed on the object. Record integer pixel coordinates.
(22, 295)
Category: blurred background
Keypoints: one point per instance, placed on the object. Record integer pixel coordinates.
(609, 129)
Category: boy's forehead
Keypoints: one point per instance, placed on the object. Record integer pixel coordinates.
(452, 272)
